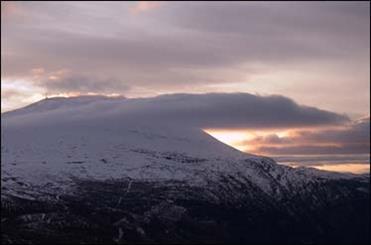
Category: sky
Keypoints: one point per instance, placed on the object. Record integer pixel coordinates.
(278, 64)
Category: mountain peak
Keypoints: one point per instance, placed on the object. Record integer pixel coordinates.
(53, 103)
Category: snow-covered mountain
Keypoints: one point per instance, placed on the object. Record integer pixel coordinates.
(114, 170)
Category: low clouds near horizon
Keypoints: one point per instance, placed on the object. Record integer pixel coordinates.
(354, 138)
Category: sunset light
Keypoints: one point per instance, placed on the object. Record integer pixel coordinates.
(243, 140)
(185, 122)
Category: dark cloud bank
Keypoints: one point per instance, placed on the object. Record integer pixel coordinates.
(214, 110)
(352, 139)
(83, 84)
(237, 110)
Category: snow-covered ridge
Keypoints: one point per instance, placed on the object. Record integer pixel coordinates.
(54, 103)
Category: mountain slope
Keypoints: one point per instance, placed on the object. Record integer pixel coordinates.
(99, 170)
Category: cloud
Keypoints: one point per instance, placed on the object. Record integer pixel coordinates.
(352, 139)
(14, 95)
(63, 82)
(10, 9)
(8, 97)
(324, 159)
(194, 47)
(315, 150)
(10, 93)
(144, 6)
(271, 139)
(247, 19)
(200, 36)
(71, 83)
(357, 132)
(235, 110)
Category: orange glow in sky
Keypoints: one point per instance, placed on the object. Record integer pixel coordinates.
(232, 138)
(239, 139)
(243, 140)
(356, 168)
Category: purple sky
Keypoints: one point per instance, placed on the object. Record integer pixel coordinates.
(314, 52)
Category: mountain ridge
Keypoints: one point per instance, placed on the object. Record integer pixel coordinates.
(58, 161)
